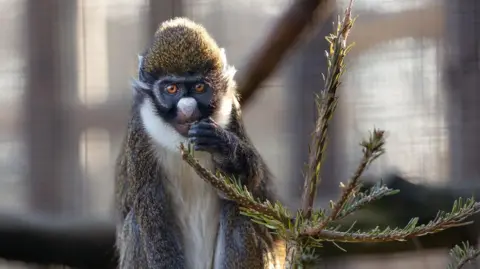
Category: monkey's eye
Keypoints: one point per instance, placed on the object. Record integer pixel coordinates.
(171, 88)
(200, 87)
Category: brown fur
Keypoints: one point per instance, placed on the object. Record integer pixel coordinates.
(181, 45)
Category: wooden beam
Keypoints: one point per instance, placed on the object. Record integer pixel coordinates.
(287, 31)
(111, 116)
(75, 242)
(372, 29)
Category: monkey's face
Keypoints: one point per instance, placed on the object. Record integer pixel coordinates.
(170, 104)
(182, 100)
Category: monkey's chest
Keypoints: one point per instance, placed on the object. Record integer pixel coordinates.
(197, 207)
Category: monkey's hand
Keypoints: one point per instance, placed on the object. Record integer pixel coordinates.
(206, 135)
(232, 155)
(225, 146)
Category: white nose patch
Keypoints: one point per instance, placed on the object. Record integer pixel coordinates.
(187, 106)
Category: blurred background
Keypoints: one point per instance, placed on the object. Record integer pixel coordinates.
(64, 97)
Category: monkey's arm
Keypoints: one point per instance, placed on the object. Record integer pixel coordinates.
(160, 242)
(146, 238)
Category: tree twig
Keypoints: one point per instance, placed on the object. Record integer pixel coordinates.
(460, 211)
(373, 148)
(462, 255)
(221, 184)
(326, 106)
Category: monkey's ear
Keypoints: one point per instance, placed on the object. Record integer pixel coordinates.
(139, 87)
(140, 60)
(223, 57)
(228, 70)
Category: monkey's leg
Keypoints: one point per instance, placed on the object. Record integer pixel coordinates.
(239, 246)
(159, 235)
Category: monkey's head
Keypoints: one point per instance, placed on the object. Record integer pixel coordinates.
(183, 77)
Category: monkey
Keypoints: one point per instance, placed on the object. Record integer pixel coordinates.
(169, 217)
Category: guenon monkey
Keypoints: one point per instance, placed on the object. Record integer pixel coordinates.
(170, 217)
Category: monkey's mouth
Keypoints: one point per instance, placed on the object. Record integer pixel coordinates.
(182, 123)
(183, 127)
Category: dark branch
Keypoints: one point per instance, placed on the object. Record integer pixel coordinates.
(43, 240)
(286, 32)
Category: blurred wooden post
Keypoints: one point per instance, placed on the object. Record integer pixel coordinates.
(462, 39)
(51, 144)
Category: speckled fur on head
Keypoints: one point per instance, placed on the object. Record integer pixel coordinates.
(182, 45)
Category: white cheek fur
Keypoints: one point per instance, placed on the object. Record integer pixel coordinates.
(165, 135)
(160, 131)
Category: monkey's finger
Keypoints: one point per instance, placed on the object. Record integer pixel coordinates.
(205, 147)
(209, 120)
(205, 140)
(204, 125)
(196, 132)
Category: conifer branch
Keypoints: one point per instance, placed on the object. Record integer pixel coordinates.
(462, 255)
(460, 211)
(361, 199)
(372, 149)
(273, 215)
(326, 105)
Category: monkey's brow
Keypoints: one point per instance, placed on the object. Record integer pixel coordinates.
(181, 79)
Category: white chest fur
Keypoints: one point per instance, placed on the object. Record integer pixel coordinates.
(197, 210)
